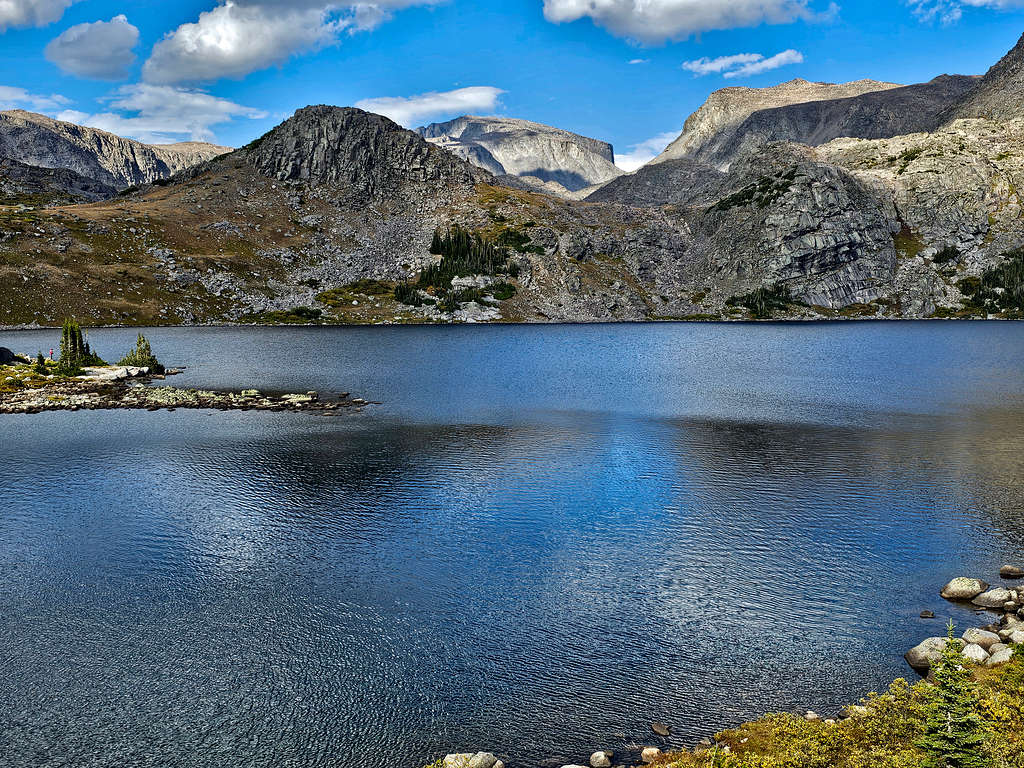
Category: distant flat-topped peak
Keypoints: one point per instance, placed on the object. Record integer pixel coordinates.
(529, 150)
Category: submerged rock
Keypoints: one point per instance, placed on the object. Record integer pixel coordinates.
(1011, 572)
(661, 729)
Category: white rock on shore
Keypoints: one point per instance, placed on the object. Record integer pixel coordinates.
(650, 754)
(994, 598)
(601, 759)
(962, 588)
(980, 637)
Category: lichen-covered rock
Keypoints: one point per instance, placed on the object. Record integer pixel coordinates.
(994, 598)
(963, 588)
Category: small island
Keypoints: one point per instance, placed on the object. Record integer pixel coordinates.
(80, 380)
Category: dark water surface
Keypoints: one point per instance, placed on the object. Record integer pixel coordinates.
(545, 539)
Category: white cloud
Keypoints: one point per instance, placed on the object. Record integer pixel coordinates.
(640, 61)
(655, 21)
(767, 65)
(641, 154)
(706, 66)
(242, 36)
(19, 98)
(416, 109)
(31, 13)
(951, 11)
(160, 114)
(102, 50)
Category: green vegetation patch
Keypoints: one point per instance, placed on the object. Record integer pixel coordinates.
(1000, 290)
(762, 302)
(908, 243)
(971, 718)
(296, 316)
(762, 193)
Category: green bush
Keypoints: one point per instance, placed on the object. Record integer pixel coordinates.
(408, 295)
(142, 357)
(762, 302)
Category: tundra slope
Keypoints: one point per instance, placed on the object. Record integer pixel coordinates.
(334, 207)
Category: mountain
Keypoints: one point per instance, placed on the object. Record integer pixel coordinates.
(719, 120)
(527, 150)
(1000, 93)
(117, 162)
(336, 212)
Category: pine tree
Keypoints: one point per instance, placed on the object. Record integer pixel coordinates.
(40, 366)
(954, 730)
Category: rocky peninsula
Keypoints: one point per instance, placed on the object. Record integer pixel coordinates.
(29, 389)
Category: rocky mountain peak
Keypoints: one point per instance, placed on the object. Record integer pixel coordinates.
(527, 150)
(999, 95)
(363, 152)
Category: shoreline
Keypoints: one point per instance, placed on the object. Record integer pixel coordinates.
(542, 323)
(1004, 638)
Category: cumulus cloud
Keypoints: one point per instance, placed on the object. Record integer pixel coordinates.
(19, 98)
(242, 36)
(31, 13)
(655, 21)
(951, 11)
(161, 114)
(412, 110)
(101, 50)
(641, 154)
(742, 64)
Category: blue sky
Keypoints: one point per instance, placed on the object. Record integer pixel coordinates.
(627, 71)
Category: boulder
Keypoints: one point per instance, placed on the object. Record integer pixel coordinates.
(981, 637)
(650, 754)
(1003, 657)
(1011, 572)
(997, 648)
(602, 759)
(994, 598)
(962, 588)
(927, 614)
(975, 653)
(472, 760)
(661, 729)
(1017, 637)
(483, 760)
(7, 357)
(812, 717)
(921, 656)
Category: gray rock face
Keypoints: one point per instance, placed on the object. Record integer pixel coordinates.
(673, 182)
(364, 154)
(20, 182)
(811, 226)
(111, 160)
(1000, 93)
(525, 149)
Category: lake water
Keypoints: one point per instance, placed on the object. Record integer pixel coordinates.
(543, 539)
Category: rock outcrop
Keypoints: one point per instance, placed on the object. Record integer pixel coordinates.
(30, 185)
(365, 155)
(527, 150)
(117, 162)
